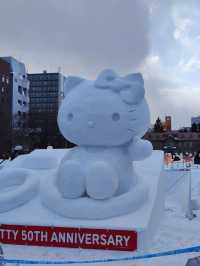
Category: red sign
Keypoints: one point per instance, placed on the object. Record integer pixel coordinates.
(66, 237)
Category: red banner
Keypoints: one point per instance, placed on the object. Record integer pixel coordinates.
(67, 237)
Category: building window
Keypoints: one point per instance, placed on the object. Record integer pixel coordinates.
(25, 91)
(20, 89)
(24, 103)
(3, 78)
(2, 89)
(19, 102)
(19, 113)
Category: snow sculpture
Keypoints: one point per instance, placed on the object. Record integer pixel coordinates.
(17, 187)
(34, 162)
(106, 118)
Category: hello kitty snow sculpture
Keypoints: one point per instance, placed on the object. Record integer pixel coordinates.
(106, 119)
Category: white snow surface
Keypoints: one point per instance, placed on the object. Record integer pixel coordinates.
(18, 186)
(176, 231)
(145, 219)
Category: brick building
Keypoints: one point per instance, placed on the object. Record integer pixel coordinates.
(180, 141)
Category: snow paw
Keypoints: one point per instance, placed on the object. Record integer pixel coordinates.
(101, 181)
(71, 180)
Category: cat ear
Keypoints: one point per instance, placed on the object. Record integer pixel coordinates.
(71, 82)
(105, 78)
(135, 93)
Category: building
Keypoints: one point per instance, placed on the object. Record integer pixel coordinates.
(46, 94)
(14, 93)
(174, 140)
(195, 120)
(5, 109)
(20, 90)
(168, 123)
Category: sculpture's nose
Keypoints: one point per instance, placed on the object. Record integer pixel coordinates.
(91, 123)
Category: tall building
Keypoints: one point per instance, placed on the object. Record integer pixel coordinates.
(46, 93)
(168, 123)
(5, 109)
(16, 97)
(20, 91)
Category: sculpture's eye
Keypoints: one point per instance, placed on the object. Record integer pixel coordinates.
(115, 116)
(70, 116)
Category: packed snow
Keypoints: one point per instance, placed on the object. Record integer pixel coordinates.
(176, 231)
(108, 140)
(144, 219)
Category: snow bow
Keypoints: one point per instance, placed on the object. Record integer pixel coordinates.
(130, 87)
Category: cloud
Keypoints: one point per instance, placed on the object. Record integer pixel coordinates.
(80, 36)
(186, 18)
(193, 64)
(161, 38)
(157, 82)
(182, 29)
(167, 95)
(171, 71)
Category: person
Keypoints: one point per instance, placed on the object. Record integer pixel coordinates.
(176, 157)
(197, 158)
(168, 159)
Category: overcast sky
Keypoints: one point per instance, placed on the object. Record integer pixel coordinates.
(160, 38)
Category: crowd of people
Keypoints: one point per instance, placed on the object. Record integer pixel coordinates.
(170, 158)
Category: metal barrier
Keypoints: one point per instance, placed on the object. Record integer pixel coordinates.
(185, 168)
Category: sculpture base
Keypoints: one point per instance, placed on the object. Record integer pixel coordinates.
(87, 208)
(142, 222)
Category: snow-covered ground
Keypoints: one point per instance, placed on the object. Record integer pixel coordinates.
(176, 231)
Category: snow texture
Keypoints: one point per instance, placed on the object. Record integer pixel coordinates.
(106, 119)
(88, 208)
(145, 220)
(17, 187)
(40, 162)
(175, 231)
